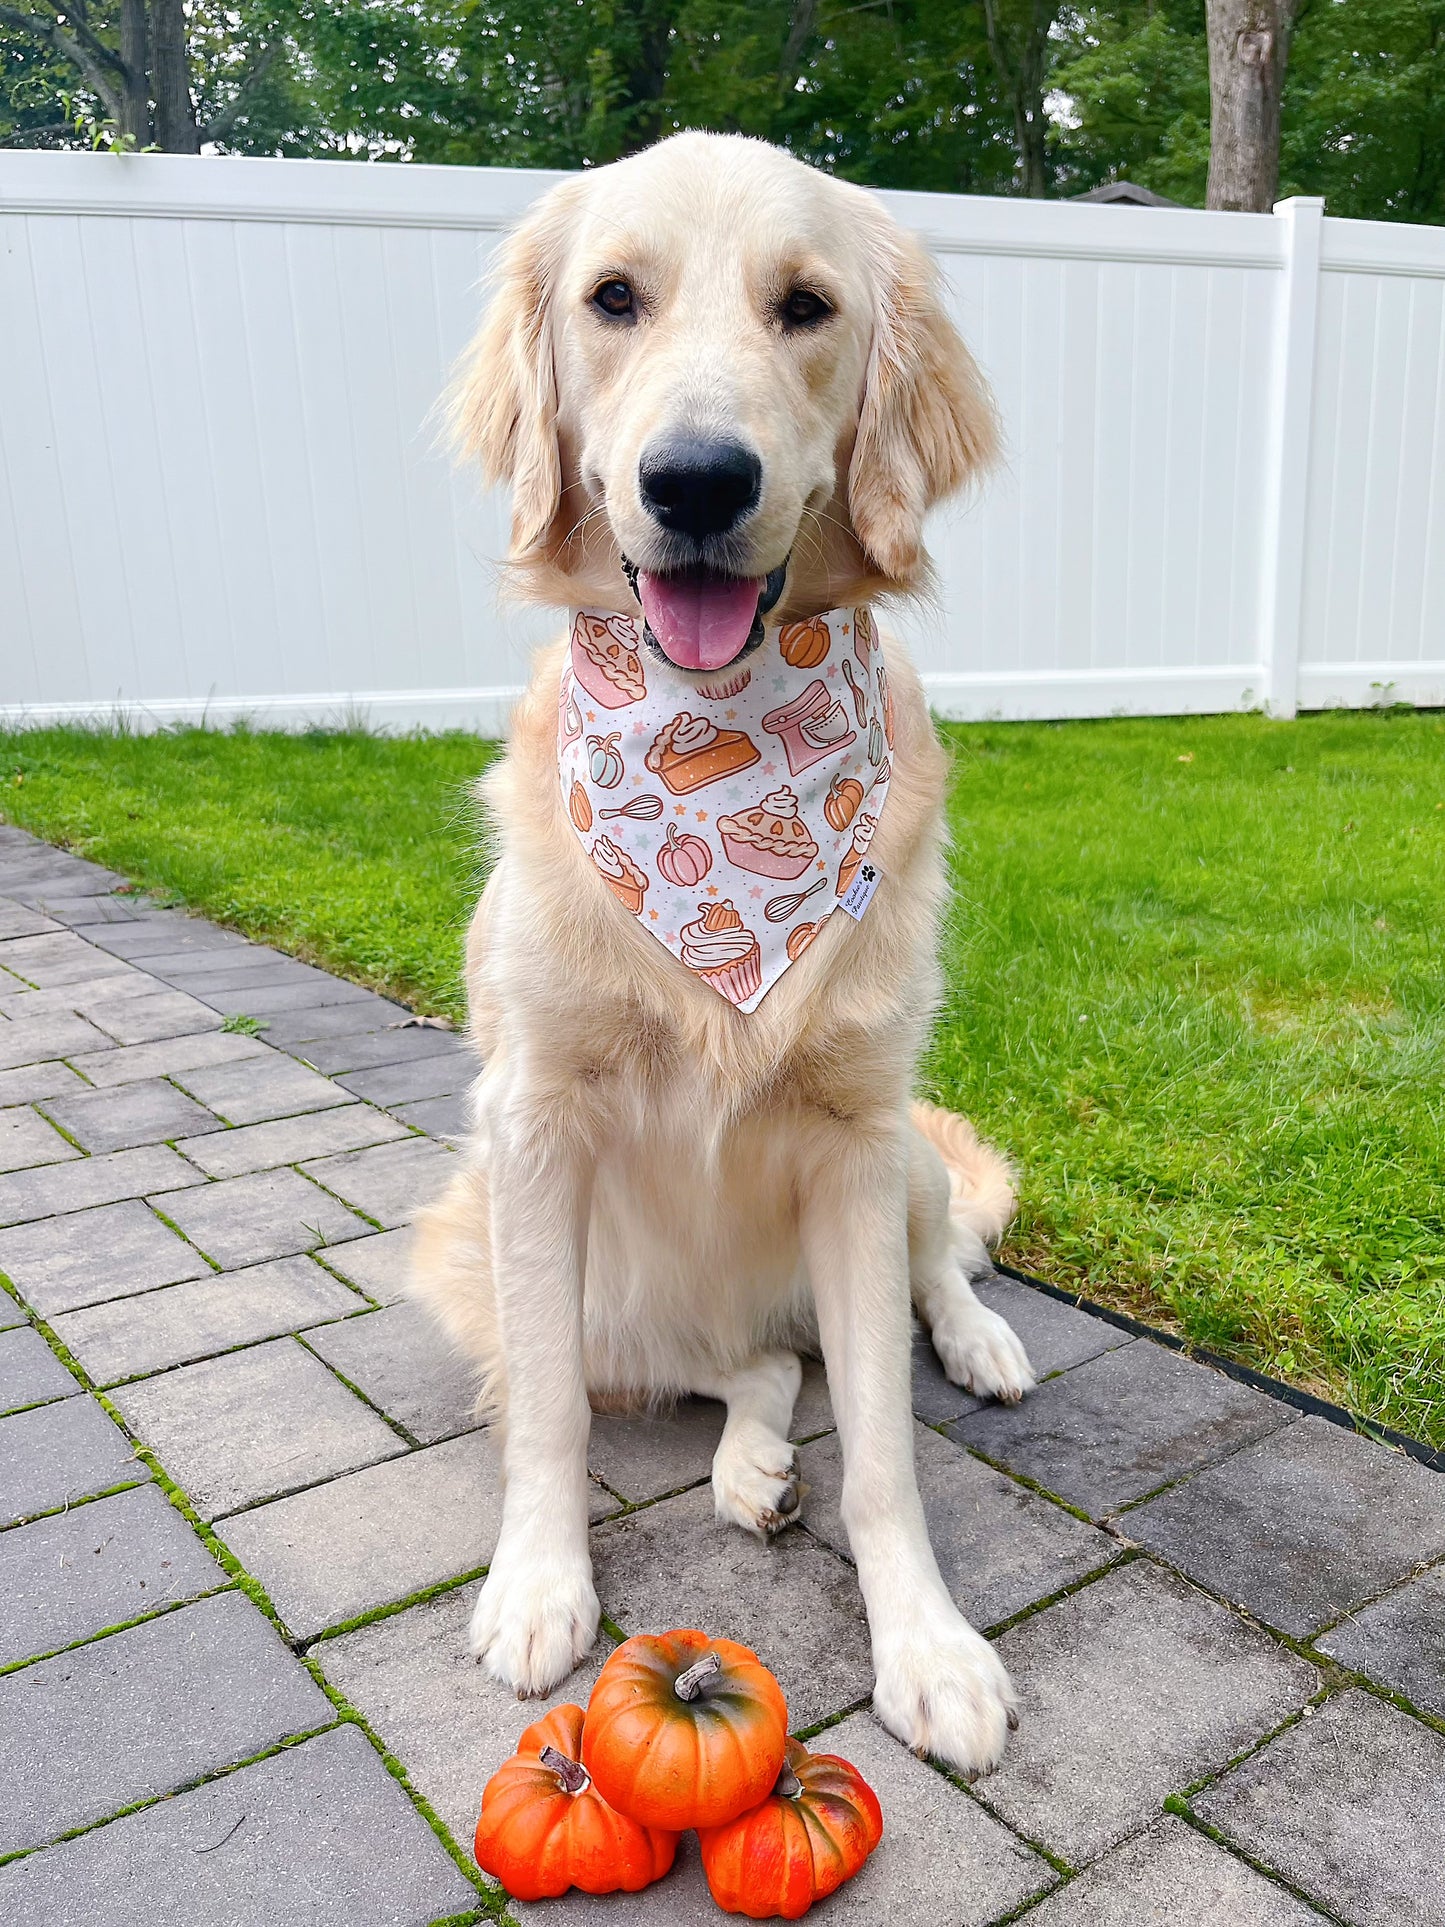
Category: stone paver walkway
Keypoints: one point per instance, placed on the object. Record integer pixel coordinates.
(243, 1503)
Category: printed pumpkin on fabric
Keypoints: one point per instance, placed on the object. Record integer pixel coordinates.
(728, 816)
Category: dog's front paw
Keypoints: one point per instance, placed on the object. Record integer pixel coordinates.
(755, 1480)
(978, 1349)
(535, 1618)
(942, 1689)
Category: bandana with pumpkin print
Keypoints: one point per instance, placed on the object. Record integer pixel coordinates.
(728, 815)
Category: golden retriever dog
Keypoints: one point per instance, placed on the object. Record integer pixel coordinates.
(713, 373)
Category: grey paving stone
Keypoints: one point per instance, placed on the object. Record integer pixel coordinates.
(19, 920)
(267, 1087)
(1350, 1806)
(86, 911)
(1169, 1875)
(286, 1140)
(1131, 1689)
(794, 1602)
(70, 1576)
(34, 1040)
(143, 1712)
(1056, 1336)
(388, 1532)
(55, 1189)
(35, 1081)
(10, 1313)
(253, 1424)
(319, 1834)
(294, 1030)
(390, 1183)
(171, 1057)
(364, 1050)
(27, 1140)
(212, 1314)
(30, 1372)
(445, 1075)
(167, 933)
(49, 870)
(1300, 1528)
(378, 1265)
(270, 1214)
(942, 1861)
(190, 960)
(813, 1412)
(119, 984)
(59, 957)
(60, 1453)
(400, 1360)
(641, 1458)
(142, 1020)
(999, 1546)
(415, 1682)
(151, 1111)
(1121, 1425)
(89, 1256)
(444, 1117)
(267, 1000)
(1399, 1641)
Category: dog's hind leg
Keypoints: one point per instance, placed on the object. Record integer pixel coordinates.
(755, 1470)
(946, 1249)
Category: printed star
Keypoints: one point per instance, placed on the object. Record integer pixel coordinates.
(779, 682)
(712, 889)
(592, 715)
(770, 769)
(702, 816)
(844, 629)
(669, 936)
(653, 915)
(821, 864)
(832, 669)
(639, 729)
(679, 809)
(756, 891)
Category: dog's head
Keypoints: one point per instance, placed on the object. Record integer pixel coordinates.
(729, 378)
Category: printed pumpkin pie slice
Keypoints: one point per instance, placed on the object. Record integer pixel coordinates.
(621, 875)
(769, 840)
(605, 659)
(689, 752)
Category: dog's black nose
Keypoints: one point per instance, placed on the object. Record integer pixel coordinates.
(699, 487)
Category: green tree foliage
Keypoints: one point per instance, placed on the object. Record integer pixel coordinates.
(933, 94)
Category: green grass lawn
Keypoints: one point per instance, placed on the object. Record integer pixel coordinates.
(1195, 972)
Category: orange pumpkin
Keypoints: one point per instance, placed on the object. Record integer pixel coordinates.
(840, 805)
(804, 644)
(814, 1831)
(579, 807)
(544, 1827)
(683, 1730)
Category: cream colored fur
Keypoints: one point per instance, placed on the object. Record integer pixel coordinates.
(661, 1195)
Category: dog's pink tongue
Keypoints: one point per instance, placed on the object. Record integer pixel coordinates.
(701, 622)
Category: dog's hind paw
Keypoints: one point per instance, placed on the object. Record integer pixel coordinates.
(943, 1690)
(533, 1622)
(980, 1351)
(755, 1480)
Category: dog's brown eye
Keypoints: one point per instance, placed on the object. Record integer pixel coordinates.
(614, 298)
(804, 309)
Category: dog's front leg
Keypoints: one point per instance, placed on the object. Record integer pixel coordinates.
(537, 1613)
(938, 1685)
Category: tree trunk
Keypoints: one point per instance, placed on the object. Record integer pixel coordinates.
(1248, 53)
(1018, 44)
(135, 72)
(176, 130)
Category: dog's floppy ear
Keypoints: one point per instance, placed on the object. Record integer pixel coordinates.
(927, 422)
(503, 403)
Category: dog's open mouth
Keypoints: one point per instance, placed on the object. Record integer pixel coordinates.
(701, 619)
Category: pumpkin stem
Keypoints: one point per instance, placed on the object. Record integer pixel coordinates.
(789, 1786)
(689, 1685)
(571, 1773)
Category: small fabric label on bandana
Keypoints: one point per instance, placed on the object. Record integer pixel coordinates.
(859, 894)
(729, 813)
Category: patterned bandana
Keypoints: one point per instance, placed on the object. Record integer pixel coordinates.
(729, 817)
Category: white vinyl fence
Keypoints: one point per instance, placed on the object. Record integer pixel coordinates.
(221, 493)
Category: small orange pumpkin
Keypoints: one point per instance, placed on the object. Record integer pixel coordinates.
(814, 1831)
(684, 860)
(544, 1827)
(840, 805)
(804, 644)
(684, 1731)
(801, 936)
(578, 807)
